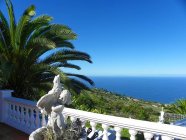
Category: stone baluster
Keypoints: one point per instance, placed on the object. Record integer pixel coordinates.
(43, 120)
(37, 120)
(118, 133)
(22, 116)
(166, 138)
(132, 134)
(27, 118)
(72, 119)
(93, 125)
(105, 134)
(14, 112)
(148, 136)
(83, 123)
(32, 119)
(4, 105)
(9, 111)
(19, 114)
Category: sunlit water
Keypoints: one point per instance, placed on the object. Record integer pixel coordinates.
(160, 89)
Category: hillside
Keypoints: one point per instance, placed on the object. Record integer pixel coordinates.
(105, 102)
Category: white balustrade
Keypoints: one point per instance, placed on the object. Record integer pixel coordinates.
(19, 114)
(27, 118)
(105, 133)
(32, 119)
(134, 126)
(9, 111)
(148, 136)
(24, 115)
(37, 119)
(14, 112)
(72, 118)
(83, 123)
(166, 138)
(132, 134)
(118, 133)
(93, 125)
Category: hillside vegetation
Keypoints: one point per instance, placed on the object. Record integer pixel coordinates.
(105, 102)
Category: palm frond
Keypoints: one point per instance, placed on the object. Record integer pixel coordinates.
(67, 58)
(81, 77)
(42, 42)
(65, 64)
(12, 21)
(62, 43)
(64, 55)
(3, 45)
(25, 18)
(23, 44)
(35, 25)
(4, 27)
(60, 32)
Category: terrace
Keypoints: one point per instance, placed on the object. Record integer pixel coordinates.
(24, 116)
(10, 133)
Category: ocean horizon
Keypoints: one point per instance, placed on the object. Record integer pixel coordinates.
(158, 89)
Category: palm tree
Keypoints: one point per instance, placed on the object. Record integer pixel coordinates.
(34, 50)
(179, 107)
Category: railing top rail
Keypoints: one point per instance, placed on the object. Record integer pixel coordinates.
(21, 101)
(145, 126)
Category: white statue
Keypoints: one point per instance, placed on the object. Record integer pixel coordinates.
(56, 120)
(52, 104)
(65, 97)
(46, 102)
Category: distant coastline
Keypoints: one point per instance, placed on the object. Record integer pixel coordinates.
(161, 89)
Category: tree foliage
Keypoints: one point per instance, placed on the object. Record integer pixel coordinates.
(34, 50)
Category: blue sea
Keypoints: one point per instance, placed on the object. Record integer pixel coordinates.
(158, 89)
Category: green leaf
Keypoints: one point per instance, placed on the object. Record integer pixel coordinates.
(4, 27)
(24, 20)
(34, 28)
(12, 21)
(81, 77)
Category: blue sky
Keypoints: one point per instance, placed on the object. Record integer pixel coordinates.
(124, 37)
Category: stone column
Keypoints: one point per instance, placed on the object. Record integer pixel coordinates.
(3, 105)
